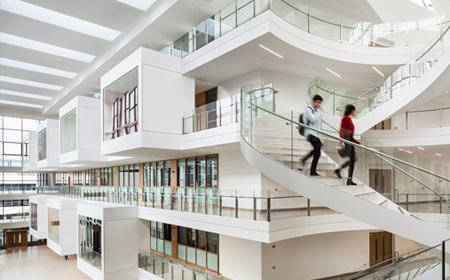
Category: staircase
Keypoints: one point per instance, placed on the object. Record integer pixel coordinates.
(271, 143)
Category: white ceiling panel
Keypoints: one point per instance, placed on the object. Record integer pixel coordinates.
(36, 68)
(50, 34)
(32, 76)
(108, 13)
(39, 58)
(21, 99)
(27, 89)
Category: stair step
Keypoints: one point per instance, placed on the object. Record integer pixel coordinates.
(369, 196)
(352, 189)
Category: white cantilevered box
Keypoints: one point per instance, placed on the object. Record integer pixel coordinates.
(143, 100)
(62, 225)
(38, 216)
(29, 152)
(108, 240)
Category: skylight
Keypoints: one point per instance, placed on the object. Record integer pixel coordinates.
(29, 83)
(36, 68)
(58, 19)
(23, 94)
(138, 4)
(45, 48)
(7, 102)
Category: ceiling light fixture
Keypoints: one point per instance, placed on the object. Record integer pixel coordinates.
(138, 4)
(408, 152)
(401, 150)
(269, 50)
(36, 68)
(378, 71)
(8, 102)
(23, 94)
(58, 19)
(438, 154)
(45, 48)
(29, 83)
(333, 72)
(420, 148)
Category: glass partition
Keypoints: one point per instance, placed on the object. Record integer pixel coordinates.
(33, 216)
(54, 225)
(90, 241)
(120, 99)
(68, 130)
(42, 144)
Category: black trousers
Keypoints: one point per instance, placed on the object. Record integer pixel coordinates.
(315, 142)
(351, 154)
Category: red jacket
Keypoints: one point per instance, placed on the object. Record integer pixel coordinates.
(347, 128)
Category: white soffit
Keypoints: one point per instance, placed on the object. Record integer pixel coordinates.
(23, 94)
(138, 4)
(58, 19)
(15, 103)
(29, 83)
(36, 68)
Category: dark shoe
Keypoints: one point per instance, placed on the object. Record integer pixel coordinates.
(302, 165)
(338, 173)
(314, 174)
(350, 182)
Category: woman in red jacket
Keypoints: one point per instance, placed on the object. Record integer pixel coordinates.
(346, 132)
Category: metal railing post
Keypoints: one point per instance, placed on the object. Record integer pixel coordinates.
(220, 205)
(309, 207)
(269, 209)
(440, 115)
(443, 264)
(254, 206)
(406, 120)
(309, 20)
(206, 204)
(407, 202)
(236, 206)
(340, 33)
(182, 126)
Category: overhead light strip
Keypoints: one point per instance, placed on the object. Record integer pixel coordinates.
(378, 71)
(438, 154)
(269, 50)
(29, 83)
(420, 148)
(58, 19)
(45, 48)
(138, 4)
(23, 94)
(8, 102)
(333, 72)
(36, 68)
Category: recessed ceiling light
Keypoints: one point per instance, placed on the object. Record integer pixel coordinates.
(29, 83)
(378, 71)
(45, 48)
(138, 4)
(438, 154)
(401, 150)
(23, 94)
(269, 50)
(420, 148)
(409, 152)
(333, 72)
(8, 102)
(58, 19)
(36, 68)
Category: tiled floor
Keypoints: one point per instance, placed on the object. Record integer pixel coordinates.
(38, 263)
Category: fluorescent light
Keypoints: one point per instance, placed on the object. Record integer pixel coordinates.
(438, 154)
(22, 94)
(269, 50)
(378, 71)
(408, 152)
(29, 83)
(401, 150)
(138, 4)
(333, 72)
(420, 148)
(58, 19)
(45, 48)
(7, 102)
(37, 68)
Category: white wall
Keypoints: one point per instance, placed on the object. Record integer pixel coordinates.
(315, 256)
(236, 173)
(166, 96)
(144, 235)
(240, 259)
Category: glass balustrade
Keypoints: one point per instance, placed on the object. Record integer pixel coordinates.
(311, 20)
(273, 131)
(430, 118)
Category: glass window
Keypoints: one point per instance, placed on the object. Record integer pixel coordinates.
(212, 242)
(12, 149)
(68, 132)
(191, 237)
(153, 228)
(12, 136)
(160, 173)
(146, 174)
(160, 230)
(136, 175)
(211, 171)
(190, 171)
(12, 123)
(181, 172)
(201, 239)
(90, 241)
(42, 144)
(29, 125)
(153, 174)
(53, 225)
(167, 168)
(200, 171)
(167, 232)
(182, 235)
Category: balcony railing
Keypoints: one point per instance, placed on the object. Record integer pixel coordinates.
(258, 205)
(431, 118)
(313, 21)
(171, 270)
(17, 189)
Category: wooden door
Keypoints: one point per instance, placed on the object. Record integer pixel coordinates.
(380, 181)
(380, 248)
(15, 239)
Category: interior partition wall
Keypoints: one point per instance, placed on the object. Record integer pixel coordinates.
(68, 132)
